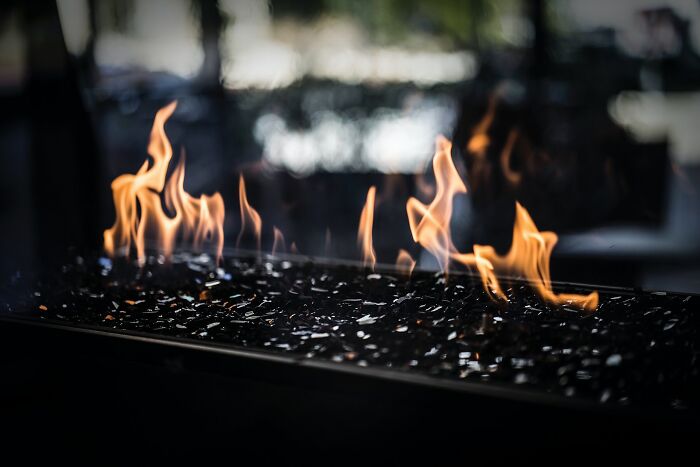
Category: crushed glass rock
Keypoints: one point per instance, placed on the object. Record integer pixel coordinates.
(636, 349)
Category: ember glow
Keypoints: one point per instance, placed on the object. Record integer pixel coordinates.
(364, 231)
(139, 211)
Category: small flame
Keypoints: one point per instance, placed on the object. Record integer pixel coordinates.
(404, 262)
(511, 175)
(480, 140)
(139, 210)
(430, 225)
(250, 219)
(364, 231)
(278, 244)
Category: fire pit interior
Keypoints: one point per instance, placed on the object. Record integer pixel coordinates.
(430, 324)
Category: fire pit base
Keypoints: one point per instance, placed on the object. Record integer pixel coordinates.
(638, 349)
(92, 395)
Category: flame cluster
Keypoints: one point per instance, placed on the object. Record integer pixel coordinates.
(140, 215)
(141, 218)
(530, 251)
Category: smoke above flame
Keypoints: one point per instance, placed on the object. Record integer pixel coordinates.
(139, 210)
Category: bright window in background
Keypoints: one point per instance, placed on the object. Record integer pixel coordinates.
(269, 49)
(650, 31)
(150, 35)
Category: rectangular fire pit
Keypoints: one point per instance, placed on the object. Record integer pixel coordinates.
(275, 342)
(637, 349)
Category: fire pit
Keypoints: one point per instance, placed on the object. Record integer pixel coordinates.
(610, 346)
(444, 327)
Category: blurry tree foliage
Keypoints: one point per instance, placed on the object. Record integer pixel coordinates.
(470, 23)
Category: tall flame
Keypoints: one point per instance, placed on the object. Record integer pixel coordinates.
(430, 225)
(364, 231)
(404, 262)
(202, 219)
(139, 211)
(250, 219)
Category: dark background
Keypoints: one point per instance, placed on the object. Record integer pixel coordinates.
(315, 101)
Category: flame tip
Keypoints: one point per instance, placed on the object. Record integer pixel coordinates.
(250, 218)
(364, 230)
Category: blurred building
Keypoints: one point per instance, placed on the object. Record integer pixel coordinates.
(315, 101)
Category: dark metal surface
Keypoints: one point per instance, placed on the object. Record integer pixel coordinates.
(84, 392)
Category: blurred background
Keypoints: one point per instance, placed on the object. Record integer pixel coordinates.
(595, 103)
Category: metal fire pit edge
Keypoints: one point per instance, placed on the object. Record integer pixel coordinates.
(180, 397)
(207, 394)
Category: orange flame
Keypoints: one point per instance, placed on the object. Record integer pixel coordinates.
(430, 225)
(404, 262)
(139, 210)
(364, 231)
(250, 219)
(511, 175)
(125, 188)
(202, 219)
(480, 139)
(528, 257)
(278, 243)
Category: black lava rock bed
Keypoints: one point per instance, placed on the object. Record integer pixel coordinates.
(637, 349)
